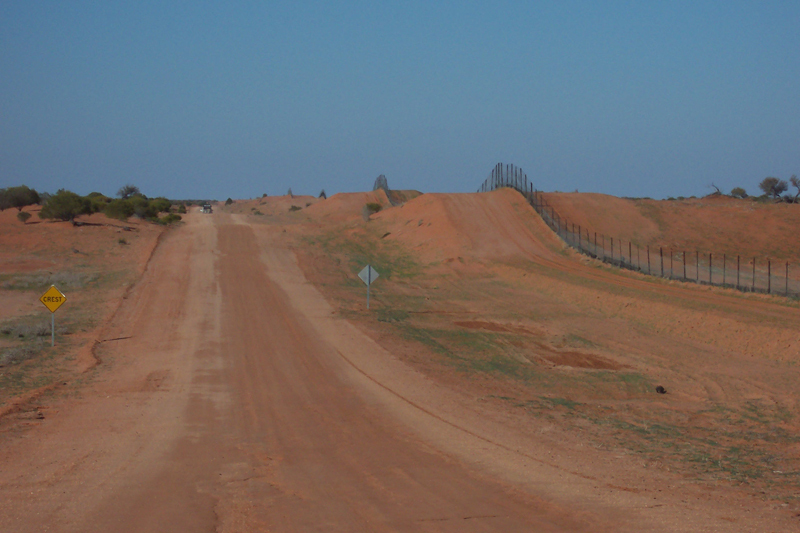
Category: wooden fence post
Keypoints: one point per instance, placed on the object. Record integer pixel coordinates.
(684, 265)
(769, 276)
(697, 266)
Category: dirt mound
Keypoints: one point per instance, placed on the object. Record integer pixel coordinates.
(401, 197)
(716, 223)
(442, 227)
(346, 206)
(268, 205)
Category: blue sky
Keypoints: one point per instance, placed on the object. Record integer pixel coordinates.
(208, 99)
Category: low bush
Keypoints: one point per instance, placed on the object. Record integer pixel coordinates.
(169, 219)
(160, 205)
(119, 209)
(65, 205)
(23, 216)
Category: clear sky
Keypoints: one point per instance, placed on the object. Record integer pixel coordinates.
(216, 99)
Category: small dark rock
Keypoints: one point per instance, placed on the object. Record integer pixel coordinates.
(661, 390)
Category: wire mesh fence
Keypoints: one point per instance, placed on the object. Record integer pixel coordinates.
(744, 273)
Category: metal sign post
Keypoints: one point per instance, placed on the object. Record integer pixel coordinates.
(368, 275)
(53, 299)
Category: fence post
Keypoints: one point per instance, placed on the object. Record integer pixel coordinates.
(684, 265)
(737, 272)
(612, 249)
(709, 268)
(630, 253)
(661, 253)
(697, 266)
(580, 238)
(769, 276)
(638, 259)
(604, 245)
(787, 278)
(648, 260)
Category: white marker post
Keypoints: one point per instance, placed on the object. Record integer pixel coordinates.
(368, 275)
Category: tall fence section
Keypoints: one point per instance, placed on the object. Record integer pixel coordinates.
(744, 273)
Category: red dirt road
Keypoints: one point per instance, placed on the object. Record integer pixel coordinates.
(221, 405)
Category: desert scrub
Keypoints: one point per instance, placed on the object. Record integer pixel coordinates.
(171, 218)
(14, 355)
(43, 280)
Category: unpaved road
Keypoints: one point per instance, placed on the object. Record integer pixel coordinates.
(220, 406)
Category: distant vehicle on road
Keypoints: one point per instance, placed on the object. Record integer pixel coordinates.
(206, 209)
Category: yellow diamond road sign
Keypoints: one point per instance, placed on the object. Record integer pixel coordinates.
(53, 298)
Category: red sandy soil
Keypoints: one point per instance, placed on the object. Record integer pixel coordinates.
(499, 382)
(88, 264)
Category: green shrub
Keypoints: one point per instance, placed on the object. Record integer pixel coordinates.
(128, 191)
(182, 209)
(65, 205)
(374, 207)
(142, 207)
(738, 192)
(119, 209)
(169, 219)
(160, 204)
(98, 202)
(295, 208)
(122, 240)
(229, 201)
(18, 197)
(23, 216)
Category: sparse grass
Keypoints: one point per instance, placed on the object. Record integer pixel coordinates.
(42, 280)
